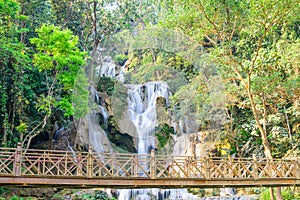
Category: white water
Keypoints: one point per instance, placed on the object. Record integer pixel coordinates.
(121, 75)
(104, 114)
(97, 136)
(142, 109)
(107, 68)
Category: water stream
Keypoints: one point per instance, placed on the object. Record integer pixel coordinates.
(142, 112)
(97, 136)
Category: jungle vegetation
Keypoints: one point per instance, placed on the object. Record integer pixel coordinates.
(47, 47)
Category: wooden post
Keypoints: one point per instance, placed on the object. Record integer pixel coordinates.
(207, 167)
(113, 165)
(186, 170)
(255, 167)
(173, 172)
(44, 163)
(269, 168)
(152, 165)
(239, 175)
(297, 169)
(90, 163)
(79, 164)
(135, 165)
(18, 160)
(231, 170)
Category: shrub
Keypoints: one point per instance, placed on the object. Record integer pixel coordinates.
(106, 84)
(163, 134)
(120, 59)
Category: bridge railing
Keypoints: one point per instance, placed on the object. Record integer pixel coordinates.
(49, 163)
(7, 156)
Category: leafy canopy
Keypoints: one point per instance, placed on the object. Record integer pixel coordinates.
(59, 57)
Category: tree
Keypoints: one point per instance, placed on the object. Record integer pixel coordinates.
(61, 61)
(245, 38)
(16, 88)
(38, 12)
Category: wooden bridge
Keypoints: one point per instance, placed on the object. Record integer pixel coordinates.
(37, 168)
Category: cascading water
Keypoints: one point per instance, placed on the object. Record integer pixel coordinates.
(142, 109)
(107, 68)
(121, 75)
(142, 112)
(97, 136)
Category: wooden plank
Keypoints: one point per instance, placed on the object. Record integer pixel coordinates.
(63, 165)
(144, 183)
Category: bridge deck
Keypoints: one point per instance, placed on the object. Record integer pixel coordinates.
(92, 169)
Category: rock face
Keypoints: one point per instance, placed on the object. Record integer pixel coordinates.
(125, 125)
(194, 144)
(89, 132)
(121, 140)
(81, 140)
(120, 114)
(40, 193)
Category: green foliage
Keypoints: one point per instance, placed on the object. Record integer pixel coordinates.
(106, 85)
(101, 195)
(80, 95)
(38, 12)
(120, 59)
(3, 191)
(9, 10)
(163, 134)
(16, 198)
(248, 41)
(22, 127)
(119, 101)
(58, 56)
(16, 91)
(98, 195)
(197, 106)
(159, 72)
(265, 195)
(287, 194)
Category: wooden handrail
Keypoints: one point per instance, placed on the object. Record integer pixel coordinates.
(94, 165)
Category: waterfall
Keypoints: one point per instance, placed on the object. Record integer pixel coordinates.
(142, 112)
(97, 136)
(121, 75)
(106, 68)
(104, 114)
(142, 109)
(73, 152)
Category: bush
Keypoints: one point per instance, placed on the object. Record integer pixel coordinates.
(16, 198)
(106, 84)
(120, 59)
(286, 195)
(163, 134)
(264, 195)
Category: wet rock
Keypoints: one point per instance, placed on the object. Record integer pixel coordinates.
(39, 193)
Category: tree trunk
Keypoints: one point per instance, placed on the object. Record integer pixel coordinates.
(278, 194)
(4, 140)
(265, 142)
(263, 132)
(271, 194)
